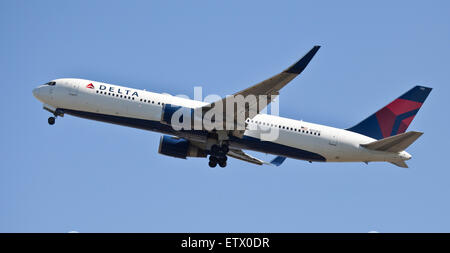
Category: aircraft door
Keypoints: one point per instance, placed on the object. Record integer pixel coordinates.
(334, 147)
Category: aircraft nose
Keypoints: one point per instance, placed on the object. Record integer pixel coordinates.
(36, 92)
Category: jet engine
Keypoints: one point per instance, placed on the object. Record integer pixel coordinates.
(178, 147)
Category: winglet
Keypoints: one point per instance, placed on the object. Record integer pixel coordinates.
(299, 66)
(278, 160)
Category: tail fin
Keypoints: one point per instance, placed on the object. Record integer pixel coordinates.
(394, 118)
(395, 143)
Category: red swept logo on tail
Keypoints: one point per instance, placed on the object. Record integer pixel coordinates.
(90, 86)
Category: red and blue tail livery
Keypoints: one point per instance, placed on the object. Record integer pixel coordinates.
(394, 118)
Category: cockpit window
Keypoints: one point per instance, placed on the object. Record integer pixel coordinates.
(50, 83)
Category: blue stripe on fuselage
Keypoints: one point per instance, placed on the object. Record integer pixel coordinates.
(246, 142)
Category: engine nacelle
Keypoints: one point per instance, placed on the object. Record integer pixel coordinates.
(177, 147)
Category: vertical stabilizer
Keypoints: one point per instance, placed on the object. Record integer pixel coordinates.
(394, 118)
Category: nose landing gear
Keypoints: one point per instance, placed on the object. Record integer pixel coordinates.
(51, 120)
(56, 113)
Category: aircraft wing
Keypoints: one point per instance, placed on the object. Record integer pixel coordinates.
(241, 155)
(268, 88)
(273, 85)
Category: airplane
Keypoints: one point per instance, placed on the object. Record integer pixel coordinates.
(381, 137)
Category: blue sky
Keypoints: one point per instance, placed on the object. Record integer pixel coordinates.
(94, 177)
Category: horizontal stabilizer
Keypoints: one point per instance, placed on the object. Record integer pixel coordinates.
(400, 164)
(394, 143)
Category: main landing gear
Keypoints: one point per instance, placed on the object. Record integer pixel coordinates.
(218, 156)
(214, 160)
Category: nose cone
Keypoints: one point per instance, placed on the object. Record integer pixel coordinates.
(36, 92)
(41, 93)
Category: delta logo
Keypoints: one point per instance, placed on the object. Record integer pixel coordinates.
(90, 86)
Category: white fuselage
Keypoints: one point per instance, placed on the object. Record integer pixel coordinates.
(333, 144)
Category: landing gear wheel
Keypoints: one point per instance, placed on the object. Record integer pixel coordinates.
(224, 149)
(219, 150)
(212, 164)
(212, 161)
(51, 120)
(222, 163)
